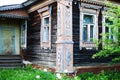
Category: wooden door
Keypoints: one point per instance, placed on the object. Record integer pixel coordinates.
(8, 41)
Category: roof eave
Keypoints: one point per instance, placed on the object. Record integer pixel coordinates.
(11, 7)
(13, 16)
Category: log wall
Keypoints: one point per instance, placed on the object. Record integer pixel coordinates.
(84, 57)
(36, 54)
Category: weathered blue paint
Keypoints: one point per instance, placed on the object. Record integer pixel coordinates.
(1, 42)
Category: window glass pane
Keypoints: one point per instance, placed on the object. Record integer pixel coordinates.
(110, 34)
(88, 19)
(46, 21)
(23, 35)
(91, 32)
(108, 21)
(85, 30)
(107, 29)
(46, 34)
(46, 30)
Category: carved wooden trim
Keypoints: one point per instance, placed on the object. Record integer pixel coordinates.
(45, 45)
(67, 21)
(59, 21)
(88, 45)
(40, 5)
(43, 9)
(90, 6)
(64, 38)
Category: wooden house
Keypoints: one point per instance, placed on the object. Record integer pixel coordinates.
(13, 26)
(58, 33)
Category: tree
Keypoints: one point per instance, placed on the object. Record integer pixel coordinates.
(111, 45)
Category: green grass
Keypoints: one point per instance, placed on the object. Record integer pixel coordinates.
(29, 73)
(25, 74)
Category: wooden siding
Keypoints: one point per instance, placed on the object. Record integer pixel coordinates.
(83, 57)
(36, 54)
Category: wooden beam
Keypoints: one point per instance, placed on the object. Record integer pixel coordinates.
(40, 5)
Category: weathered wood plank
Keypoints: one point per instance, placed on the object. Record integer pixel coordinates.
(35, 53)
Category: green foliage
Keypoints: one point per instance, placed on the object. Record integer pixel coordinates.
(25, 74)
(111, 45)
(29, 73)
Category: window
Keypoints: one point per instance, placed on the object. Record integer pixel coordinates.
(88, 28)
(107, 29)
(24, 35)
(45, 29)
(108, 32)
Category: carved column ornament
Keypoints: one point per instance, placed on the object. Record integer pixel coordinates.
(59, 22)
(64, 43)
(67, 21)
(68, 57)
(59, 57)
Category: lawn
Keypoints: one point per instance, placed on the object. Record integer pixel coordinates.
(30, 73)
(27, 73)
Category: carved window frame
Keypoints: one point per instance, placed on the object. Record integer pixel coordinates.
(45, 44)
(89, 45)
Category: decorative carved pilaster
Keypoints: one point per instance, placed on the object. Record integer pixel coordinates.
(64, 43)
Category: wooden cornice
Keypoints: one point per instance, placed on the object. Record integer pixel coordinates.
(40, 5)
(99, 3)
